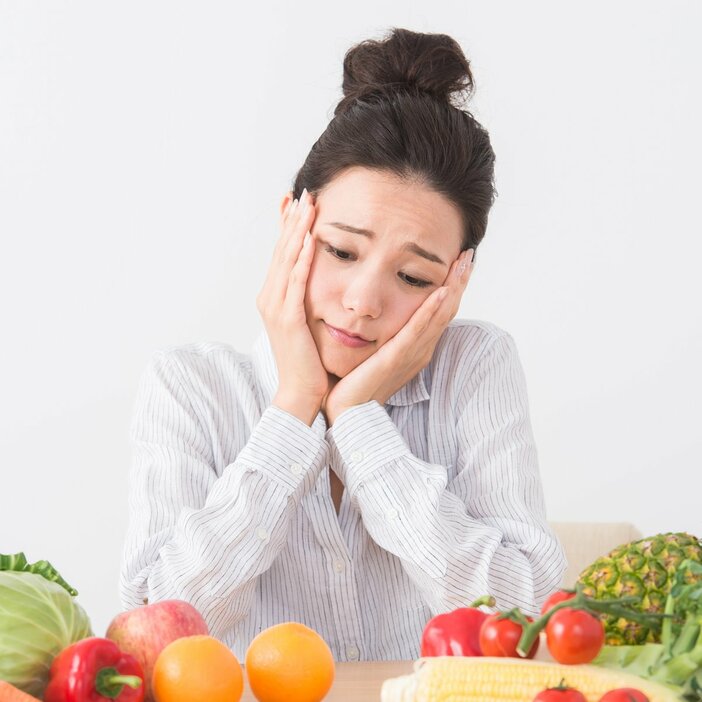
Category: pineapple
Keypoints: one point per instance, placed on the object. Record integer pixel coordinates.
(645, 568)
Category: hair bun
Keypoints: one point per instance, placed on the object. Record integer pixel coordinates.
(406, 61)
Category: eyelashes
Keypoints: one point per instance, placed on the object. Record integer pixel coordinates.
(409, 280)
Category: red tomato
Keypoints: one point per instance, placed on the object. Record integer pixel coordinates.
(624, 694)
(574, 636)
(562, 693)
(555, 598)
(499, 637)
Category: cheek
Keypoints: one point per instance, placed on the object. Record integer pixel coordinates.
(401, 310)
(318, 284)
(409, 305)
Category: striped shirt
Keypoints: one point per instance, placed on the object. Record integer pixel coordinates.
(230, 506)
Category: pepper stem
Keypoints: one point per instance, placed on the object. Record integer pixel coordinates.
(110, 683)
(487, 600)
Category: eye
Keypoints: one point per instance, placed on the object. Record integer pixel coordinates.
(415, 282)
(336, 253)
(409, 280)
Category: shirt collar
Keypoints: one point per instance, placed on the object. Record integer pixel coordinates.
(414, 390)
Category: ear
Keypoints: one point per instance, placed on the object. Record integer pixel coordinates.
(284, 203)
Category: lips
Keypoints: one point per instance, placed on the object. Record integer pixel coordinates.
(343, 337)
(348, 333)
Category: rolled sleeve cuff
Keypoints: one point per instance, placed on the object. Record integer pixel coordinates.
(285, 449)
(365, 438)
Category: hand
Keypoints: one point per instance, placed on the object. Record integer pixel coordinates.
(302, 379)
(406, 353)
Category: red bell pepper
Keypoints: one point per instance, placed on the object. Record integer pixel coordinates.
(456, 633)
(94, 670)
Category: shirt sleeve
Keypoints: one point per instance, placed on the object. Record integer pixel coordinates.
(483, 533)
(197, 536)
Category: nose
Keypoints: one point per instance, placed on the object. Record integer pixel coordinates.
(363, 296)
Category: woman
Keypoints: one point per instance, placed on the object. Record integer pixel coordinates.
(357, 484)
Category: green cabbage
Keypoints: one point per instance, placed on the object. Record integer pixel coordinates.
(38, 619)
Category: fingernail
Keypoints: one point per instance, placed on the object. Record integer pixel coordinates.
(471, 253)
(443, 292)
(304, 201)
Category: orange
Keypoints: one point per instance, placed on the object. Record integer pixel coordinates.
(289, 662)
(195, 669)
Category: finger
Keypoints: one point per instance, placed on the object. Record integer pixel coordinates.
(279, 250)
(442, 305)
(297, 281)
(462, 276)
(464, 266)
(285, 206)
(419, 322)
(425, 326)
(290, 257)
(457, 277)
(299, 222)
(289, 246)
(289, 216)
(286, 220)
(456, 282)
(293, 230)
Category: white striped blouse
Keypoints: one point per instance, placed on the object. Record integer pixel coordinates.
(230, 506)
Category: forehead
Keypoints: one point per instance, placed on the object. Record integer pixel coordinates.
(390, 207)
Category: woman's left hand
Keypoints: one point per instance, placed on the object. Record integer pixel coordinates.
(406, 353)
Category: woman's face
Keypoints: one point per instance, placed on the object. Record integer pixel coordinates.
(372, 284)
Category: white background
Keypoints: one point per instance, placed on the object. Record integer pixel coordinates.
(144, 151)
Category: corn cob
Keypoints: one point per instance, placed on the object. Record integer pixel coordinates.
(487, 679)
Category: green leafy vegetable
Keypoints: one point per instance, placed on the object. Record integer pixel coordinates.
(38, 619)
(18, 562)
(677, 660)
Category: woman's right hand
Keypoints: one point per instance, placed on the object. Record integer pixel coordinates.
(302, 379)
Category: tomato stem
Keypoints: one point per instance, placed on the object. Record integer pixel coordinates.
(595, 607)
(515, 615)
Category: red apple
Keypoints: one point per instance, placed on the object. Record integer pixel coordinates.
(145, 631)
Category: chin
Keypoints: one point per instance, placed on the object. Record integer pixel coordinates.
(337, 366)
(337, 359)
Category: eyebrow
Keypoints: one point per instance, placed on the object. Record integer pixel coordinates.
(411, 246)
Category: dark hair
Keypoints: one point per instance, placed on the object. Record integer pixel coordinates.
(397, 116)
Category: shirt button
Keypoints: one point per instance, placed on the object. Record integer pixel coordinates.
(262, 534)
(391, 513)
(352, 652)
(357, 456)
(296, 469)
(338, 565)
